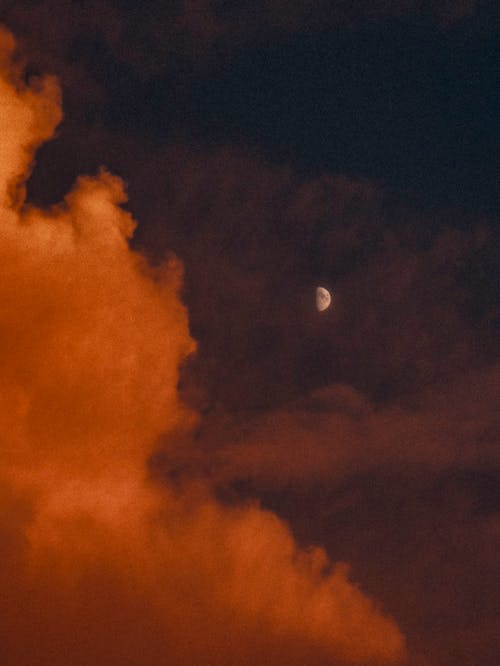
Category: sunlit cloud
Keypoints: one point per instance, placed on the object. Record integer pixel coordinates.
(100, 564)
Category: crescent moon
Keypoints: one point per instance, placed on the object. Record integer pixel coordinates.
(323, 299)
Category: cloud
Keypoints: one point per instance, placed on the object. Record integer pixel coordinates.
(407, 493)
(28, 117)
(414, 307)
(377, 428)
(336, 432)
(100, 564)
(189, 36)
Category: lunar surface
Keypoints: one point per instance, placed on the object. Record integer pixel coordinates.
(323, 298)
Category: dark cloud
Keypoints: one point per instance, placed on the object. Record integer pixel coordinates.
(181, 34)
(400, 457)
(411, 309)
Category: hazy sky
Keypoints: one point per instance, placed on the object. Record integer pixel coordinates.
(197, 466)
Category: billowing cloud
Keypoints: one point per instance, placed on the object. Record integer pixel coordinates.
(99, 564)
(29, 115)
(379, 430)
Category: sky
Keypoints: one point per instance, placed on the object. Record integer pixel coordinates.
(197, 466)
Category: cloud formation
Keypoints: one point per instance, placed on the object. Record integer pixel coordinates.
(192, 35)
(100, 564)
(373, 430)
(335, 433)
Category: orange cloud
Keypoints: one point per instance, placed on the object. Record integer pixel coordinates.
(99, 565)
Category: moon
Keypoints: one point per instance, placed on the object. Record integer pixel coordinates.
(323, 299)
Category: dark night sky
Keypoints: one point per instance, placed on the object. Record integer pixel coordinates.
(277, 145)
(405, 102)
